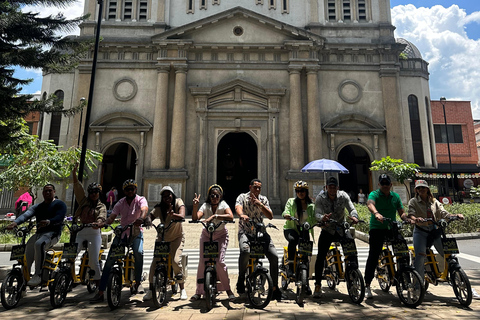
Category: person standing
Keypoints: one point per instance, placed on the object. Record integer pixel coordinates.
(251, 207)
(361, 197)
(215, 209)
(132, 209)
(49, 215)
(381, 203)
(330, 205)
(170, 208)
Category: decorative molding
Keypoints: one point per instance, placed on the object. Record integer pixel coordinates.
(125, 89)
(350, 91)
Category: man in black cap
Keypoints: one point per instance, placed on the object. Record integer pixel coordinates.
(382, 203)
(330, 205)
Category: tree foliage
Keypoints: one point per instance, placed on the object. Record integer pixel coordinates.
(28, 40)
(39, 162)
(396, 168)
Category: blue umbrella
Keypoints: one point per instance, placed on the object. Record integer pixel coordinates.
(324, 165)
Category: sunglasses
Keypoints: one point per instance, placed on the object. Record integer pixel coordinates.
(214, 196)
(93, 191)
(384, 183)
(300, 191)
(129, 189)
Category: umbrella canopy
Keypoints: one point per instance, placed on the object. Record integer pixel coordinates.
(324, 165)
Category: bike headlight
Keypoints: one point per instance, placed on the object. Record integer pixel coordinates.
(118, 231)
(211, 228)
(306, 226)
(20, 233)
(75, 227)
(443, 223)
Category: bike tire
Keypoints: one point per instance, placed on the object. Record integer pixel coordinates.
(284, 281)
(356, 286)
(11, 291)
(114, 289)
(59, 289)
(330, 275)
(260, 289)
(410, 288)
(383, 278)
(159, 289)
(302, 288)
(209, 286)
(461, 287)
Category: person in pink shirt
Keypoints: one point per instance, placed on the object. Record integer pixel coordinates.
(132, 209)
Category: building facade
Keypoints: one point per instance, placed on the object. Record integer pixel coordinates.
(195, 92)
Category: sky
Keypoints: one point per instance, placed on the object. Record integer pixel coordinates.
(447, 33)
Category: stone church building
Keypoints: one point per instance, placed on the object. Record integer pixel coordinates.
(194, 92)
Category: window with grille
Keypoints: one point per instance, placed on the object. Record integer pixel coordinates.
(332, 14)
(203, 4)
(284, 6)
(454, 133)
(190, 6)
(143, 10)
(112, 10)
(347, 13)
(362, 10)
(127, 10)
(415, 130)
(56, 120)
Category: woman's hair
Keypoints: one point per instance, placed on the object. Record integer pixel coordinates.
(429, 194)
(298, 201)
(215, 187)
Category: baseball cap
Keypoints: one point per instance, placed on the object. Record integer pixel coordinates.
(384, 176)
(332, 180)
(421, 183)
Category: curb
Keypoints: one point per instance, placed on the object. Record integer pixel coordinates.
(461, 236)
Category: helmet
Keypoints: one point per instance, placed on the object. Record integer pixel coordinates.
(300, 185)
(92, 186)
(128, 183)
(215, 186)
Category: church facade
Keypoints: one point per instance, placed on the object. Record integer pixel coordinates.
(194, 92)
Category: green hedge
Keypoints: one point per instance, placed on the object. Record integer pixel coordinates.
(471, 211)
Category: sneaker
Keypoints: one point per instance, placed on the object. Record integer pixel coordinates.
(318, 291)
(475, 294)
(368, 293)
(97, 298)
(183, 295)
(140, 289)
(148, 296)
(241, 287)
(34, 281)
(24, 293)
(309, 291)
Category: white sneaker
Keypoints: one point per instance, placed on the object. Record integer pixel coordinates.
(34, 281)
(148, 296)
(24, 293)
(183, 295)
(475, 294)
(368, 293)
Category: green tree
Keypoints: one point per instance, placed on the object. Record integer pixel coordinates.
(39, 162)
(401, 171)
(28, 40)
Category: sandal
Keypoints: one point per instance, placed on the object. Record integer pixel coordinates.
(195, 297)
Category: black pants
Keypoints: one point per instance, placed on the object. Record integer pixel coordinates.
(292, 237)
(376, 240)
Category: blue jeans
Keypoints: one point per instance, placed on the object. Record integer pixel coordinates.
(137, 246)
(420, 246)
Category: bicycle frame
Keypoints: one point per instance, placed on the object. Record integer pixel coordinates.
(124, 261)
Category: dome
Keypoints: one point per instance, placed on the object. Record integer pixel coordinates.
(410, 50)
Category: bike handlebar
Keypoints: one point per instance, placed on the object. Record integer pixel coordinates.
(211, 226)
(161, 226)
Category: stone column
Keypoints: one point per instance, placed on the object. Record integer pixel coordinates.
(393, 118)
(314, 137)
(296, 126)
(177, 143)
(159, 138)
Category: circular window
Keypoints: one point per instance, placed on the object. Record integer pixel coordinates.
(238, 31)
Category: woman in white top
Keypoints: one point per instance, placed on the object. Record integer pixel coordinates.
(214, 210)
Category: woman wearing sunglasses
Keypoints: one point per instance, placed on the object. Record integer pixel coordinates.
(213, 210)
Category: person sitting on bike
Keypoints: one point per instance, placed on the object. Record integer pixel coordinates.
(132, 209)
(213, 210)
(381, 203)
(302, 208)
(90, 210)
(425, 206)
(170, 208)
(251, 207)
(49, 215)
(330, 204)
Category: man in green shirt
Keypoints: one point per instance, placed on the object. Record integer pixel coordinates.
(382, 203)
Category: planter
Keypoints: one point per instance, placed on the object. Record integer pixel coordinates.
(471, 200)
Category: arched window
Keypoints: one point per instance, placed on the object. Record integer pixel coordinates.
(430, 134)
(56, 121)
(415, 130)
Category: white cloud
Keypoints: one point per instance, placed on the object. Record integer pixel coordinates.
(439, 33)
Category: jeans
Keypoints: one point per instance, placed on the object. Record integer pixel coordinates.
(420, 246)
(137, 246)
(245, 255)
(36, 247)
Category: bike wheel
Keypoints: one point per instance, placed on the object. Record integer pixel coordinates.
(114, 289)
(260, 289)
(330, 275)
(210, 293)
(159, 290)
(355, 286)
(284, 281)
(11, 291)
(461, 287)
(58, 292)
(302, 288)
(383, 279)
(410, 288)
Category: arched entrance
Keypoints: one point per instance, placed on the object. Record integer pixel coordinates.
(236, 164)
(357, 161)
(119, 162)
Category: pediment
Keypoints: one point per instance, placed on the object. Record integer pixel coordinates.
(257, 29)
(353, 123)
(121, 121)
